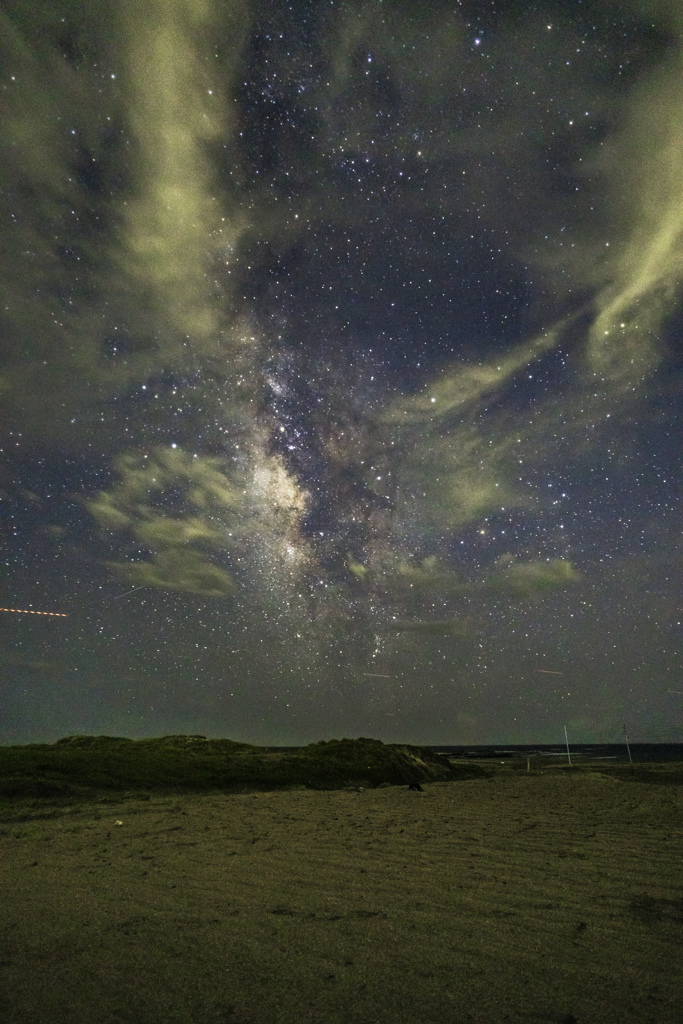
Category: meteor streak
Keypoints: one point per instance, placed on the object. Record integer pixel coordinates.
(127, 592)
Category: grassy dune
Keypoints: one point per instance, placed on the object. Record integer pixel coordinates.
(544, 896)
(83, 765)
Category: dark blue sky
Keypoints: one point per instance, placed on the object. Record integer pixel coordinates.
(341, 370)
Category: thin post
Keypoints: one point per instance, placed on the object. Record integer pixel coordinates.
(627, 746)
(569, 757)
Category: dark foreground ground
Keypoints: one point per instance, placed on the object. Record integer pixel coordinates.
(539, 897)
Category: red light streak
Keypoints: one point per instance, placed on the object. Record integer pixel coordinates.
(29, 611)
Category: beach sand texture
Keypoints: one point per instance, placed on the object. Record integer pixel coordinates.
(524, 897)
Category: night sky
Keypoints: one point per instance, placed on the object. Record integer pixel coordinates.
(340, 369)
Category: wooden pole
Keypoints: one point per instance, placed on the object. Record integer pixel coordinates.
(627, 746)
(569, 757)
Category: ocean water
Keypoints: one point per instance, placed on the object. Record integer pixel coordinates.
(582, 751)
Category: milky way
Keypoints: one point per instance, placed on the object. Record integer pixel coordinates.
(341, 369)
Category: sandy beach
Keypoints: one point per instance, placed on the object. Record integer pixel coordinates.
(524, 897)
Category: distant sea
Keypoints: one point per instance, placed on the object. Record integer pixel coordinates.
(580, 752)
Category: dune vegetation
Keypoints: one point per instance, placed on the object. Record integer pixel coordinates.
(81, 765)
